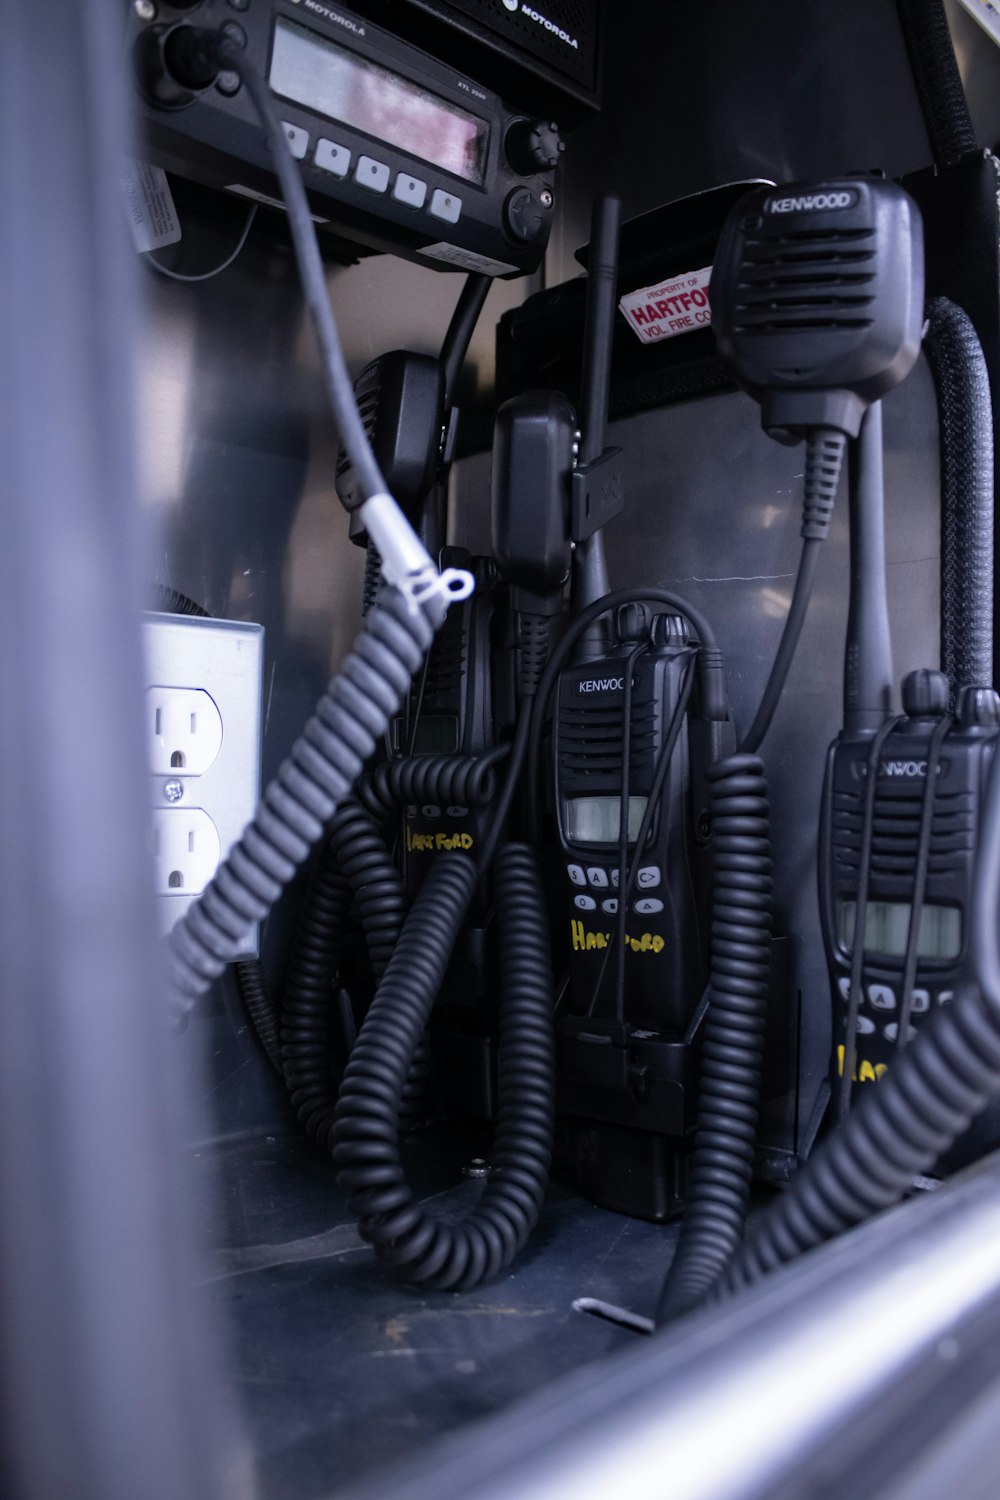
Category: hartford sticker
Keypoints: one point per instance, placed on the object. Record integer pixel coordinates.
(679, 305)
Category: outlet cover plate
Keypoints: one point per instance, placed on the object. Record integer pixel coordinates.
(224, 658)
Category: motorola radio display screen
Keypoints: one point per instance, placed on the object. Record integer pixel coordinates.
(343, 86)
(887, 925)
(597, 820)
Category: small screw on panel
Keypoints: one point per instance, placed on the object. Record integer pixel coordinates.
(546, 198)
(477, 1168)
(173, 790)
(145, 10)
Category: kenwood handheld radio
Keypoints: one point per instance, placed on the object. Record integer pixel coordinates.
(901, 814)
(608, 736)
(398, 150)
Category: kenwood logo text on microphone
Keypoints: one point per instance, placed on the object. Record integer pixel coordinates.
(601, 685)
(811, 202)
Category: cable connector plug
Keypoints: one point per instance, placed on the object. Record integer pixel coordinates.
(406, 563)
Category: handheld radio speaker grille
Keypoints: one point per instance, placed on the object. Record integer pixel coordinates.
(818, 300)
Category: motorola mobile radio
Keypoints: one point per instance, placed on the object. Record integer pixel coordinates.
(399, 151)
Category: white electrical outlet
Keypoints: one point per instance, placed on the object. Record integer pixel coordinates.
(184, 728)
(186, 850)
(203, 733)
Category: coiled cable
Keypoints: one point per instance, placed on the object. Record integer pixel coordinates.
(309, 1060)
(416, 1245)
(455, 780)
(325, 761)
(355, 863)
(729, 1096)
(732, 1034)
(896, 1131)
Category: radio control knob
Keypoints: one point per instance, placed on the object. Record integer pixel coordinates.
(669, 630)
(533, 146)
(525, 215)
(925, 694)
(632, 623)
(979, 708)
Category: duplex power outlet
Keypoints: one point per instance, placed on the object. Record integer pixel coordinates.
(203, 735)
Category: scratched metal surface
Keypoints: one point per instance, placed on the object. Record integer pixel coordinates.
(341, 1372)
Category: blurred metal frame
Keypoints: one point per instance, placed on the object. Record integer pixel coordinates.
(108, 1366)
(861, 1370)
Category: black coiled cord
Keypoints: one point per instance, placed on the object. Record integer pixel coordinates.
(257, 1002)
(309, 1062)
(419, 1247)
(932, 1093)
(729, 1097)
(324, 763)
(355, 863)
(733, 1035)
(447, 780)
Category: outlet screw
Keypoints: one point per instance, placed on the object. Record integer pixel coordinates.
(173, 790)
(145, 10)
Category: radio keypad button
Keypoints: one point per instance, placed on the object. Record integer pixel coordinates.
(882, 997)
(430, 810)
(844, 986)
(648, 906)
(235, 32)
(576, 875)
(409, 190)
(445, 206)
(648, 877)
(598, 876)
(371, 174)
(228, 82)
(921, 1002)
(891, 1032)
(297, 138)
(615, 877)
(945, 997)
(332, 158)
(584, 903)
(865, 1025)
(610, 906)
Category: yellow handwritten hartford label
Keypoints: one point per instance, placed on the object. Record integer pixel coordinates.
(864, 1072)
(583, 941)
(430, 843)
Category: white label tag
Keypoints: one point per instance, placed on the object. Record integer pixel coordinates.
(152, 217)
(245, 192)
(469, 260)
(987, 13)
(679, 305)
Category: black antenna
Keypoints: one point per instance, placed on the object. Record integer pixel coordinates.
(590, 572)
(868, 653)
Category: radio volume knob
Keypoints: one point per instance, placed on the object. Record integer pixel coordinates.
(525, 215)
(925, 694)
(533, 146)
(979, 708)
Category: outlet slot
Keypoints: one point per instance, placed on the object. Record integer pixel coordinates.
(185, 730)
